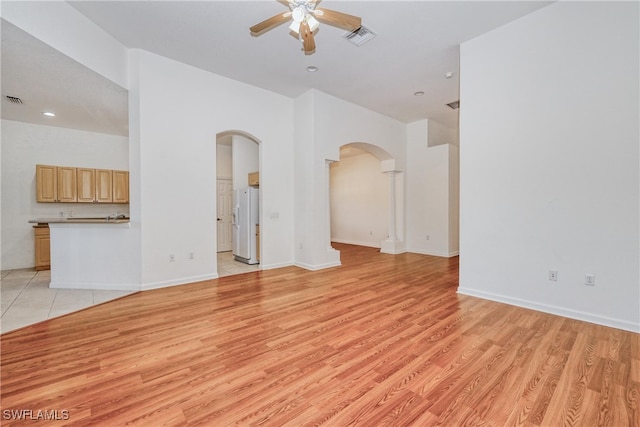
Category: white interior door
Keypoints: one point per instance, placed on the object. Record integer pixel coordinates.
(224, 196)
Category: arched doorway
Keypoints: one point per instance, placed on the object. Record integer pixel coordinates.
(363, 198)
(237, 158)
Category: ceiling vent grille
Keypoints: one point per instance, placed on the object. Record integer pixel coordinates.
(14, 99)
(454, 105)
(360, 36)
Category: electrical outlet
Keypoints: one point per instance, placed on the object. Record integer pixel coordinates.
(172, 257)
(553, 275)
(590, 279)
(192, 255)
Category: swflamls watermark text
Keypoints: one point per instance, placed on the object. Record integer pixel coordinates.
(35, 414)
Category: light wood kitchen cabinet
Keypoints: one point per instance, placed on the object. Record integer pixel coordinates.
(120, 187)
(56, 184)
(254, 179)
(81, 185)
(46, 183)
(42, 247)
(104, 186)
(67, 187)
(86, 179)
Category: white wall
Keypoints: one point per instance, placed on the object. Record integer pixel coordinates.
(67, 30)
(224, 168)
(93, 256)
(245, 159)
(323, 124)
(454, 200)
(439, 134)
(432, 192)
(359, 201)
(23, 146)
(549, 144)
(176, 146)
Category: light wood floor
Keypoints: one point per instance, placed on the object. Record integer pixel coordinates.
(382, 340)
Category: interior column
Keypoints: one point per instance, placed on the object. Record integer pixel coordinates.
(392, 245)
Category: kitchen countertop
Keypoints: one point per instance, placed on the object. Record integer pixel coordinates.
(79, 220)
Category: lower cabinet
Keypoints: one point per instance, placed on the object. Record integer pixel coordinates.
(42, 247)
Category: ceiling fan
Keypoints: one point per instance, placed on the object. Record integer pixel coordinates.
(304, 15)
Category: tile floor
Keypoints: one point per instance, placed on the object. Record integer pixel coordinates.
(26, 298)
(227, 266)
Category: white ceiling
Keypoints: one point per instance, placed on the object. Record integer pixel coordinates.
(46, 80)
(417, 42)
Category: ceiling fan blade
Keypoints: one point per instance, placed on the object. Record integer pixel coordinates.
(338, 19)
(269, 24)
(306, 35)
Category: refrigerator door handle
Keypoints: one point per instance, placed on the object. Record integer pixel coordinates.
(234, 216)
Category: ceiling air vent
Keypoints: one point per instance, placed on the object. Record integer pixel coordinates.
(14, 99)
(360, 36)
(454, 105)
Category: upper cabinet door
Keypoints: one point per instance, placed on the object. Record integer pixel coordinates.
(104, 186)
(86, 185)
(120, 187)
(67, 184)
(46, 184)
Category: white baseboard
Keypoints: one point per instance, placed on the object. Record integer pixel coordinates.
(552, 309)
(433, 253)
(96, 286)
(276, 265)
(357, 243)
(318, 266)
(175, 282)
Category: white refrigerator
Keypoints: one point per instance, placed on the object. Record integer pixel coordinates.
(244, 220)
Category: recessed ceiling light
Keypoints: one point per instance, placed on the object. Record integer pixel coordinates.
(449, 74)
(419, 93)
(312, 68)
(48, 114)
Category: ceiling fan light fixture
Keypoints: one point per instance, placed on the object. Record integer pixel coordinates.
(313, 23)
(303, 14)
(298, 14)
(295, 27)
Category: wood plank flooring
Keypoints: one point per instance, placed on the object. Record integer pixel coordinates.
(382, 340)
